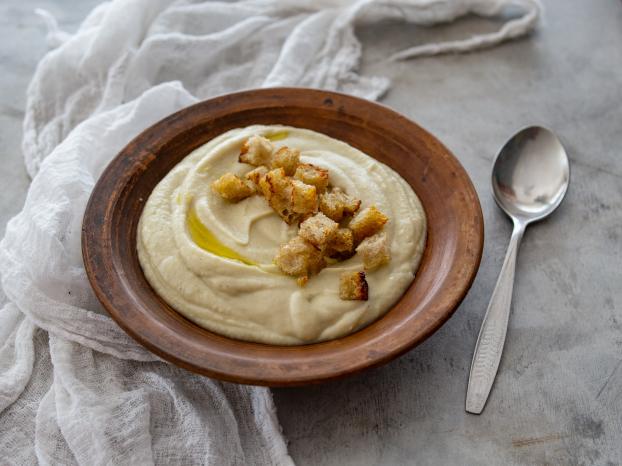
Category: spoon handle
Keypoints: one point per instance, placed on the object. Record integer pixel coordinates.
(494, 328)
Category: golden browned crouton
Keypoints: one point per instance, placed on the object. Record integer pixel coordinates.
(366, 223)
(336, 204)
(233, 188)
(341, 244)
(310, 174)
(299, 258)
(256, 150)
(318, 230)
(256, 174)
(374, 251)
(304, 197)
(274, 183)
(287, 159)
(283, 207)
(353, 286)
(277, 189)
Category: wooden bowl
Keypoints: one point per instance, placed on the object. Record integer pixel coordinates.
(448, 267)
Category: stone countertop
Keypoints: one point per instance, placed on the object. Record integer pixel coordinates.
(558, 395)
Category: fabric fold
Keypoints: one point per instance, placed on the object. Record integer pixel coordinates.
(16, 354)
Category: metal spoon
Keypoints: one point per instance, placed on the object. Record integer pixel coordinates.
(530, 177)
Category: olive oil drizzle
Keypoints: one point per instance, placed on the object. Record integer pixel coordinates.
(206, 240)
(278, 136)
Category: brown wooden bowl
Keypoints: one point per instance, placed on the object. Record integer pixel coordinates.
(448, 267)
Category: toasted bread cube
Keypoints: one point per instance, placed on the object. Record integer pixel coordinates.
(304, 197)
(299, 258)
(274, 183)
(353, 286)
(337, 204)
(233, 188)
(341, 244)
(277, 189)
(287, 159)
(318, 230)
(310, 174)
(374, 251)
(283, 208)
(366, 223)
(255, 175)
(256, 150)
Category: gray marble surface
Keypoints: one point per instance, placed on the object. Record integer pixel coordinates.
(558, 394)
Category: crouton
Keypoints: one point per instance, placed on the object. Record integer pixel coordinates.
(287, 159)
(353, 286)
(277, 189)
(256, 150)
(366, 223)
(233, 188)
(318, 230)
(341, 244)
(310, 174)
(283, 207)
(375, 251)
(336, 204)
(299, 258)
(304, 197)
(255, 175)
(274, 183)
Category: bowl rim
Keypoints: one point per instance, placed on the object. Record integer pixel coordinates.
(107, 281)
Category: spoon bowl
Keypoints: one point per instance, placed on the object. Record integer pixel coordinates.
(530, 174)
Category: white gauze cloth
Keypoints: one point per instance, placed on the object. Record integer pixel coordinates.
(74, 388)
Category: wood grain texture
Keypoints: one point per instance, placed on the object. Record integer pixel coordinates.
(448, 267)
